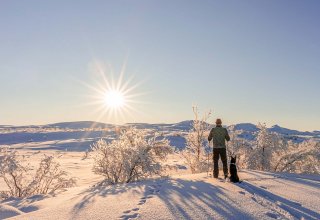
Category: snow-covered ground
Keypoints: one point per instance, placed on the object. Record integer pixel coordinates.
(261, 195)
(86, 132)
(182, 195)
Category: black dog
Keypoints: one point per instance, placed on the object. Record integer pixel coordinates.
(233, 170)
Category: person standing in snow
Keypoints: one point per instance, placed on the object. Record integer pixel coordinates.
(219, 136)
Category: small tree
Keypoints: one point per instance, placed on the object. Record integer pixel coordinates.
(12, 172)
(237, 146)
(195, 153)
(21, 183)
(135, 155)
(260, 157)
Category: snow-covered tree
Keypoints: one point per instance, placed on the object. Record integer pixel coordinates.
(135, 155)
(260, 157)
(237, 146)
(22, 183)
(299, 158)
(195, 154)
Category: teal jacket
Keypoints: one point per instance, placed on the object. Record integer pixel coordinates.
(219, 136)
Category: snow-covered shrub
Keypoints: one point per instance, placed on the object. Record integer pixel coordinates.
(299, 158)
(12, 172)
(22, 183)
(135, 155)
(195, 154)
(260, 156)
(272, 152)
(238, 147)
(49, 177)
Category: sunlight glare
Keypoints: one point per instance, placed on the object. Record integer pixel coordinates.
(114, 99)
(113, 96)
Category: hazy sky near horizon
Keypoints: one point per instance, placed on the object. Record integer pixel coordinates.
(249, 61)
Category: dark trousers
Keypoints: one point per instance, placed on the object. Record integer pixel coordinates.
(222, 152)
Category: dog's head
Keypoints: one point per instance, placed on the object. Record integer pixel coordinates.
(233, 159)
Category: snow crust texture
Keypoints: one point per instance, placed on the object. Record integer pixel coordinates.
(261, 195)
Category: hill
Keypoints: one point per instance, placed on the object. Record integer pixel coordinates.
(260, 196)
(78, 136)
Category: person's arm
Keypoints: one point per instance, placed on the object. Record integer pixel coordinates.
(227, 136)
(210, 135)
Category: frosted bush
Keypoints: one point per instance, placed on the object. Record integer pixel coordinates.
(195, 154)
(299, 158)
(260, 156)
(272, 152)
(22, 183)
(135, 155)
(238, 147)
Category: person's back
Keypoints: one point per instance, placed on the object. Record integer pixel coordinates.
(219, 136)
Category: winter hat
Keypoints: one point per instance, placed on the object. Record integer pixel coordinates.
(218, 121)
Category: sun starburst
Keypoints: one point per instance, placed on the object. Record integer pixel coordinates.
(114, 99)
(113, 95)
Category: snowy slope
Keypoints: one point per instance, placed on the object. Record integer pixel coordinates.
(246, 127)
(80, 125)
(260, 196)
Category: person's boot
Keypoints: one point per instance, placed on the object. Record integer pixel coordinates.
(225, 176)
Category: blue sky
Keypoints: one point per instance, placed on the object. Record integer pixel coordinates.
(249, 61)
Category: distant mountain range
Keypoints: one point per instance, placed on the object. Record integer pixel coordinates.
(183, 126)
(81, 134)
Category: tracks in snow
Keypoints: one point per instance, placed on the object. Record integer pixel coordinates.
(280, 207)
(276, 206)
(134, 213)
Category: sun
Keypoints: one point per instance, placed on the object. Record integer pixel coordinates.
(112, 96)
(114, 99)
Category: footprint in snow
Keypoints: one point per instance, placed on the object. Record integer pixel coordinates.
(153, 190)
(131, 216)
(272, 215)
(146, 197)
(142, 201)
(127, 216)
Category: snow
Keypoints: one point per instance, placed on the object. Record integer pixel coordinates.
(80, 124)
(92, 131)
(261, 195)
(7, 211)
(246, 127)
